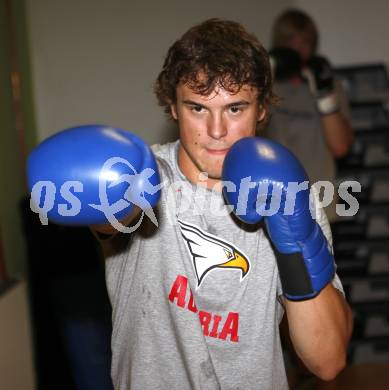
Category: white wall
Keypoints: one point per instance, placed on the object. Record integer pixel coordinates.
(95, 61)
(352, 31)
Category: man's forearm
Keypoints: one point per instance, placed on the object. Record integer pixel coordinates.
(338, 134)
(320, 329)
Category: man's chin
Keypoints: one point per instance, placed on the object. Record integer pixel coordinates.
(212, 168)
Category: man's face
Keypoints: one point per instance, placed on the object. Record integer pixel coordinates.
(303, 43)
(210, 125)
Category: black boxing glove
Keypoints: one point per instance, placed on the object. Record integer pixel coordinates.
(285, 63)
(320, 77)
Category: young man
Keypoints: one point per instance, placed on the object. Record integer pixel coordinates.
(169, 330)
(197, 300)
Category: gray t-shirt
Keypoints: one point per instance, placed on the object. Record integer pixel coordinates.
(195, 300)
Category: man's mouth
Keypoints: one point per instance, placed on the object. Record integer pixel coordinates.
(218, 152)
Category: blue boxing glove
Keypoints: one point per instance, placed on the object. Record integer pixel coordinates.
(92, 175)
(271, 183)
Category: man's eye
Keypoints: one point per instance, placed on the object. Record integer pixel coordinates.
(197, 108)
(235, 109)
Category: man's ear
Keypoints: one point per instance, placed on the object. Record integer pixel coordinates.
(173, 111)
(262, 112)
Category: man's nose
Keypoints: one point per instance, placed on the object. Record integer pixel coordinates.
(217, 126)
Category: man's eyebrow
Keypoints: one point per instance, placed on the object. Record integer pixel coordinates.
(237, 103)
(192, 103)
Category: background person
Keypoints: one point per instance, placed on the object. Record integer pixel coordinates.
(312, 116)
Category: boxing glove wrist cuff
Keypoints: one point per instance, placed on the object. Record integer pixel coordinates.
(328, 104)
(304, 274)
(297, 284)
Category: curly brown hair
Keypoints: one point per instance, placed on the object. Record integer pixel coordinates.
(225, 53)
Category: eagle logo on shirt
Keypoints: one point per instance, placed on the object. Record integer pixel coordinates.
(209, 252)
